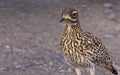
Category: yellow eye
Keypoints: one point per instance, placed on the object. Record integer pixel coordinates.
(74, 13)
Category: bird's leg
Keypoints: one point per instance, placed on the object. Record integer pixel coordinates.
(78, 71)
(92, 70)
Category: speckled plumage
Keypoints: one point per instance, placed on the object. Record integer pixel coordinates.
(80, 48)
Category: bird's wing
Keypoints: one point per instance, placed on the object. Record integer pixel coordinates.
(94, 44)
(92, 40)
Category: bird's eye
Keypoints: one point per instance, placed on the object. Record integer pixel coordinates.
(74, 13)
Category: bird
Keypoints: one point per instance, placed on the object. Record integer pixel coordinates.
(82, 49)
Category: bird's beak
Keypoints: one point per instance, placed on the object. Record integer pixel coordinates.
(65, 17)
(62, 20)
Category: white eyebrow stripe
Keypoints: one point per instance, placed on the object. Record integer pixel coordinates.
(73, 19)
(74, 12)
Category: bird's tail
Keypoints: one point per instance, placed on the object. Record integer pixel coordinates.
(111, 69)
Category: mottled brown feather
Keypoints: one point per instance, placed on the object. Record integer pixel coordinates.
(81, 48)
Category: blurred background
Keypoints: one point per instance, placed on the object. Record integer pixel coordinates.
(30, 34)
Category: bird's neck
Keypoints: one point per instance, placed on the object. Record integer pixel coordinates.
(73, 26)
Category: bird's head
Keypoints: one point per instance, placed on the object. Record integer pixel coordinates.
(69, 15)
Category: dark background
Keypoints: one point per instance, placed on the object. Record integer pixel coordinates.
(30, 34)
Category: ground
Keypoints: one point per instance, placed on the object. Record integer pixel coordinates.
(30, 34)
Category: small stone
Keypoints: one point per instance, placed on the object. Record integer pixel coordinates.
(48, 1)
(18, 66)
(7, 46)
(84, 5)
(108, 11)
(62, 70)
(40, 40)
(50, 63)
(22, 4)
(108, 36)
(107, 5)
(4, 68)
(69, 70)
(61, 66)
(112, 16)
(45, 65)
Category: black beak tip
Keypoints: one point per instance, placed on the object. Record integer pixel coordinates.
(62, 20)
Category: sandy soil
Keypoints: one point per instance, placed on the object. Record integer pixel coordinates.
(30, 34)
